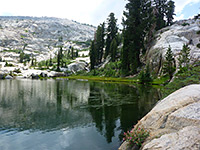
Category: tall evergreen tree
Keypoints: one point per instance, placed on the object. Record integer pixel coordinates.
(111, 32)
(136, 25)
(58, 61)
(100, 42)
(59, 58)
(161, 6)
(113, 50)
(92, 55)
(170, 12)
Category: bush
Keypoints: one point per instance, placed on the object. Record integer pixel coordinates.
(136, 136)
(17, 71)
(185, 24)
(198, 45)
(9, 65)
(198, 32)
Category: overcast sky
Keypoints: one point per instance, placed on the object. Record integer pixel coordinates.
(84, 11)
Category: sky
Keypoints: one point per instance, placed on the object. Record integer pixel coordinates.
(85, 11)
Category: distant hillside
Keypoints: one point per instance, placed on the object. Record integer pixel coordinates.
(39, 35)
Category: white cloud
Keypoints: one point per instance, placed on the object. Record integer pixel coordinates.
(180, 17)
(85, 11)
(180, 4)
(79, 10)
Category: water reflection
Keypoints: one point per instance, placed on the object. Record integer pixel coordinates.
(97, 113)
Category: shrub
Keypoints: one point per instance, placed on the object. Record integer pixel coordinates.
(198, 45)
(136, 136)
(185, 24)
(17, 71)
(9, 65)
(198, 32)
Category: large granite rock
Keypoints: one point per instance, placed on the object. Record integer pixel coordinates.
(78, 66)
(187, 138)
(40, 36)
(174, 123)
(174, 36)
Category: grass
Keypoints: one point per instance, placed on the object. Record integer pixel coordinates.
(104, 79)
(14, 51)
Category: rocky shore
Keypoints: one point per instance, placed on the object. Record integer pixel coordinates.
(174, 123)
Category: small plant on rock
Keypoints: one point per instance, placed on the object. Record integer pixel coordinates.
(136, 136)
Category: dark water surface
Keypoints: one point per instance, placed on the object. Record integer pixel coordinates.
(69, 115)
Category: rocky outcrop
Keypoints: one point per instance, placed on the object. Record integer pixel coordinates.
(78, 66)
(40, 36)
(174, 123)
(175, 36)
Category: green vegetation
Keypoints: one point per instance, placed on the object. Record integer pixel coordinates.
(184, 58)
(145, 76)
(134, 32)
(169, 64)
(12, 50)
(183, 78)
(8, 64)
(97, 46)
(104, 79)
(83, 44)
(198, 45)
(185, 24)
(136, 136)
(198, 32)
(111, 35)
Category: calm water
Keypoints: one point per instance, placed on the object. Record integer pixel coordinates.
(69, 115)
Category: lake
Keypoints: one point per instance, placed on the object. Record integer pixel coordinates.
(69, 114)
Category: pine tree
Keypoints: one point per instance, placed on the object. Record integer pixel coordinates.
(59, 59)
(92, 56)
(99, 42)
(169, 65)
(138, 21)
(160, 5)
(21, 57)
(170, 12)
(111, 32)
(72, 53)
(184, 58)
(113, 50)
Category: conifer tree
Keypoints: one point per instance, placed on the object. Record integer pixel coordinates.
(113, 50)
(161, 6)
(169, 65)
(111, 32)
(99, 42)
(58, 61)
(184, 58)
(72, 53)
(138, 21)
(92, 55)
(170, 12)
